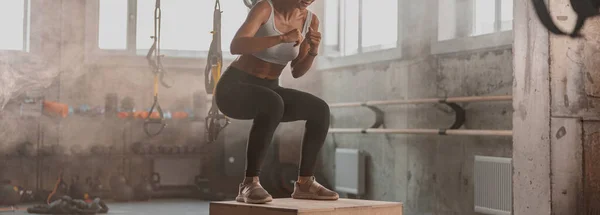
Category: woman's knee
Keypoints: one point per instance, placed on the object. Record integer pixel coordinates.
(321, 110)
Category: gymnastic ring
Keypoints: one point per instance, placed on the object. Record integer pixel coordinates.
(583, 8)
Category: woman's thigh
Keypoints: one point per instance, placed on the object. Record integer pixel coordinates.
(246, 101)
(300, 105)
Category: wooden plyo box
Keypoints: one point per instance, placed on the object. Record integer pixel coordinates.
(288, 206)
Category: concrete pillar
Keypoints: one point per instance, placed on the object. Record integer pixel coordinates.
(419, 27)
(555, 142)
(531, 117)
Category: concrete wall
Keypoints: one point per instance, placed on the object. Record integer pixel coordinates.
(555, 98)
(430, 174)
(59, 38)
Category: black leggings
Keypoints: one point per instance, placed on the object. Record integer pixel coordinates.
(240, 95)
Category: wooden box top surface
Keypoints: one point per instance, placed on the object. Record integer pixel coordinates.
(289, 204)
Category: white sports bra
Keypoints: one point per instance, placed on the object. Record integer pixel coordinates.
(281, 53)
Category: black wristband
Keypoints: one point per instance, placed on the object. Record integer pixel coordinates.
(312, 54)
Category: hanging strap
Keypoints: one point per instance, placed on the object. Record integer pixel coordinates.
(215, 122)
(212, 69)
(154, 59)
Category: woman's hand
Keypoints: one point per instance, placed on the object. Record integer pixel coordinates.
(292, 36)
(314, 40)
(308, 50)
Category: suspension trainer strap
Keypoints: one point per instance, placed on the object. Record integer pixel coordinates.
(215, 54)
(153, 58)
(215, 122)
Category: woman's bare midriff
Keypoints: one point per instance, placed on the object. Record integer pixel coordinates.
(258, 67)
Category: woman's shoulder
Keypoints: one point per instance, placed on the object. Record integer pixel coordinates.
(263, 5)
(261, 10)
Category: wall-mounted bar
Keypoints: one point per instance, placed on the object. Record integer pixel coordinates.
(450, 102)
(424, 101)
(424, 131)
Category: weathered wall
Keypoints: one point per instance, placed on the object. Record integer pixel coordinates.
(59, 38)
(430, 174)
(555, 98)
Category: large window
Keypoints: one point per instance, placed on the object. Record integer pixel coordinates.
(359, 26)
(14, 19)
(331, 25)
(186, 25)
(112, 26)
(447, 20)
(460, 18)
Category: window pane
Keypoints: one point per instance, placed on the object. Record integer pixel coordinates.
(375, 14)
(112, 29)
(351, 20)
(184, 25)
(485, 14)
(506, 14)
(233, 16)
(446, 19)
(145, 24)
(332, 22)
(28, 29)
(12, 17)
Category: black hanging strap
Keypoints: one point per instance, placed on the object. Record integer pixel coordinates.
(153, 58)
(215, 122)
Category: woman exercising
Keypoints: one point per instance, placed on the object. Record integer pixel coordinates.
(249, 89)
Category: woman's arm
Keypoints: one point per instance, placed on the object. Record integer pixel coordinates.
(308, 52)
(244, 41)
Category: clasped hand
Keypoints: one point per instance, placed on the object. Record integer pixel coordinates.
(313, 38)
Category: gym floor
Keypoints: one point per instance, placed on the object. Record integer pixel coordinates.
(157, 207)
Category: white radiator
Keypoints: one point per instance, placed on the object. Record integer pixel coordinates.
(493, 185)
(350, 171)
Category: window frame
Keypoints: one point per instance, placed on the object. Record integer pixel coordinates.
(26, 31)
(131, 56)
(332, 60)
(464, 38)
